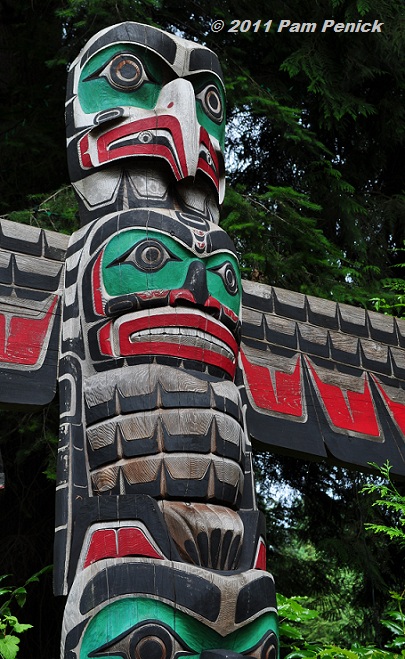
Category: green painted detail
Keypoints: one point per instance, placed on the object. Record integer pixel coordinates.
(96, 93)
(122, 275)
(117, 620)
(199, 82)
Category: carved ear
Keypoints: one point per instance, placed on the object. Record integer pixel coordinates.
(323, 379)
(31, 269)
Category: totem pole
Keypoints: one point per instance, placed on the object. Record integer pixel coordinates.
(159, 544)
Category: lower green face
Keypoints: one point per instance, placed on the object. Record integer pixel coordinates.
(142, 628)
(138, 261)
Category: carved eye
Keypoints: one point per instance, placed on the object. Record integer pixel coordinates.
(228, 275)
(145, 641)
(124, 72)
(148, 255)
(265, 649)
(212, 103)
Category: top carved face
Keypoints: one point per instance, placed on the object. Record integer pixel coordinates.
(137, 91)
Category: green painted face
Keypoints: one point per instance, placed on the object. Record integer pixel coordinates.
(136, 261)
(121, 75)
(127, 75)
(210, 105)
(145, 628)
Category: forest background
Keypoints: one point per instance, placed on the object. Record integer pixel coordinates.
(315, 203)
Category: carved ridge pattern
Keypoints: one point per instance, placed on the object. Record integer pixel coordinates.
(307, 359)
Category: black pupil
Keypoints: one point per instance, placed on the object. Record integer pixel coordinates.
(150, 648)
(213, 101)
(230, 278)
(128, 70)
(151, 255)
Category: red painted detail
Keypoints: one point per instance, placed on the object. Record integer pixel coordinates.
(210, 303)
(152, 295)
(211, 170)
(181, 294)
(347, 409)
(172, 346)
(133, 542)
(114, 543)
(98, 303)
(84, 155)
(397, 409)
(22, 339)
(180, 319)
(102, 545)
(107, 152)
(104, 339)
(260, 560)
(213, 303)
(182, 352)
(284, 395)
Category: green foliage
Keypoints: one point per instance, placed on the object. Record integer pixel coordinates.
(10, 627)
(298, 620)
(57, 212)
(393, 302)
(388, 499)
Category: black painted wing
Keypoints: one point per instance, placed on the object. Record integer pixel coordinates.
(31, 269)
(323, 379)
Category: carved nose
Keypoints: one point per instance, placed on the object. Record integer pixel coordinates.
(196, 281)
(194, 289)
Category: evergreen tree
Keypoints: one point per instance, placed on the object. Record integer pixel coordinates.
(315, 203)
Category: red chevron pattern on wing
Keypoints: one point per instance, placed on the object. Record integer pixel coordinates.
(22, 339)
(351, 388)
(397, 409)
(347, 410)
(275, 390)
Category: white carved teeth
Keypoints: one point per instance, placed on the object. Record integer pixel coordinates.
(187, 334)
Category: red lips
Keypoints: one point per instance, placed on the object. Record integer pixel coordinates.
(183, 334)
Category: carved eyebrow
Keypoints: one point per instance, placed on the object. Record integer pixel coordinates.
(136, 34)
(204, 60)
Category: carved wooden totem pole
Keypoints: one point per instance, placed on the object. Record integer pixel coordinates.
(158, 539)
(159, 545)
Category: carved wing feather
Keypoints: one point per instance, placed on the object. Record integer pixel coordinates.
(31, 281)
(323, 379)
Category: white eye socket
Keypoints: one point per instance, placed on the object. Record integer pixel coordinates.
(228, 276)
(125, 72)
(212, 103)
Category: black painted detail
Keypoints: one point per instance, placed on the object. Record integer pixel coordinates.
(256, 596)
(185, 590)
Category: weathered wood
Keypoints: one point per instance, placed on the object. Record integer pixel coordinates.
(159, 545)
(31, 284)
(326, 370)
